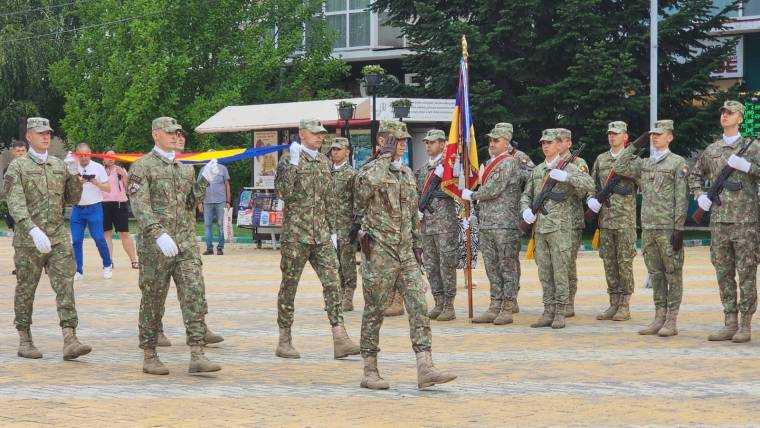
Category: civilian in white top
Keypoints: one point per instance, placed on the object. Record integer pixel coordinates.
(89, 212)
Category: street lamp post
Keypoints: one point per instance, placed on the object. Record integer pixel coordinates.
(653, 46)
(372, 81)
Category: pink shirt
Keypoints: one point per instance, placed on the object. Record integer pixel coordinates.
(118, 191)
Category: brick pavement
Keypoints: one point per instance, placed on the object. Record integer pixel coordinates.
(591, 373)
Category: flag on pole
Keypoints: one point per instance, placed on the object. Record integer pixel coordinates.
(461, 138)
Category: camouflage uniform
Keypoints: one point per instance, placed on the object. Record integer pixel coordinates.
(617, 227)
(554, 231)
(498, 208)
(343, 183)
(37, 192)
(733, 223)
(439, 229)
(161, 192)
(664, 206)
(308, 221)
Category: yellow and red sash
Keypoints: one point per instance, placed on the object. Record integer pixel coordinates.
(492, 165)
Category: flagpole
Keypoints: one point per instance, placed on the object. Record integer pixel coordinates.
(466, 171)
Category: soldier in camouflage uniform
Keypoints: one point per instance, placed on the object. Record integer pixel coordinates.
(439, 230)
(305, 184)
(579, 222)
(617, 226)
(554, 231)
(344, 175)
(37, 187)
(733, 223)
(210, 337)
(161, 191)
(663, 180)
(498, 203)
(386, 196)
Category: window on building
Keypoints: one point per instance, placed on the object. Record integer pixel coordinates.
(751, 8)
(350, 20)
(719, 5)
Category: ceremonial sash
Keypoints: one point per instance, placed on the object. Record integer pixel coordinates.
(492, 165)
(428, 181)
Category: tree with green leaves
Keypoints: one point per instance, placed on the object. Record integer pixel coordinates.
(577, 64)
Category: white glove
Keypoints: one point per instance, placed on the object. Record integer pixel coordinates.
(457, 169)
(334, 240)
(704, 202)
(465, 224)
(167, 245)
(210, 170)
(439, 171)
(467, 194)
(41, 241)
(71, 163)
(295, 153)
(528, 216)
(593, 204)
(739, 163)
(558, 174)
(420, 215)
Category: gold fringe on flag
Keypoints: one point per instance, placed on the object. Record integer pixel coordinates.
(596, 241)
(530, 253)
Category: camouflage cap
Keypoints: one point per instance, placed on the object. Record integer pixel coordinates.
(550, 134)
(434, 135)
(662, 126)
(38, 124)
(403, 131)
(564, 133)
(166, 124)
(312, 125)
(502, 130)
(733, 106)
(395, 128)
(339, 143)
(617, 127)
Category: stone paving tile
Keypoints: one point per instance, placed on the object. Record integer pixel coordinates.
(590, 374)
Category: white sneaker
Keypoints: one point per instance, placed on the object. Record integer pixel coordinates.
(78, 276)
(108, 272)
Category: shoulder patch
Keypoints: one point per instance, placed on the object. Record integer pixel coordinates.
(583, 168)
(135, 183)
(683, 172)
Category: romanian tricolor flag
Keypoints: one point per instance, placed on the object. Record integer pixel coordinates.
(461, 138)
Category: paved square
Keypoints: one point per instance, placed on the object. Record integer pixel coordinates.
(591, 373)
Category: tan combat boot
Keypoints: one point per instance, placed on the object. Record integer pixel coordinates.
(72, 347)
(153, 365)
(427, 374)
(624, 308)
(612, 310)
(730, 326)
(210, 337)
(448, 312)
(285, 348)
(505, 315)
(559, 316)
(199, 363)
(371, 378)
(343, 346)
(162, 340)
(656, 324)
(490, 315)
(546, 318)
(570, 306)
(395, 305)
(26, 348)
(437, 309)
(348, 300)
(513, 306)
(670, 327)
(745, 329)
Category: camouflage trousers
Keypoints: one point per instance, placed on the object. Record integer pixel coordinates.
(733, 250)
(572, 270)
(155, 275)
(501, 256)
(617, 251)
(347, 262)
(665, 267)
(440, 254)
(324, 260)
(61, 268)
(163, 309)
(385, 268)
(553, 260)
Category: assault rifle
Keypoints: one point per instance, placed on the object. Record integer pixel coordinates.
(720, 183)
(435, 184)
(612, 182)
(538, 205)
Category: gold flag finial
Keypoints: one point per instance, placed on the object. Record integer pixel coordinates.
(464, 46)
